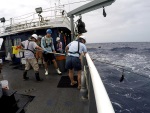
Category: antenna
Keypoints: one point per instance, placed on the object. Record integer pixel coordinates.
(58, 2)
(69, 5)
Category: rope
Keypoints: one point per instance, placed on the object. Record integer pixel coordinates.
(22, 50)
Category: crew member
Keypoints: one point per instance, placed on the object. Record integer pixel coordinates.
(73, 61)
(29, 46)
(59, 45)
(49, 50)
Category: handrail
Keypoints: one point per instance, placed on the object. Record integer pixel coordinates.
(103, 102)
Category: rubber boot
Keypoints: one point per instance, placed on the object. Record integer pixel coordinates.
(38, 77)
(25, 76)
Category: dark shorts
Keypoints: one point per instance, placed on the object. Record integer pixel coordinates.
(73, 63)
(48, 57)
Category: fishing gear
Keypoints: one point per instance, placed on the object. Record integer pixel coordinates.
(122, 77)
(22, 50)
(123, 70)
(104, 13)
(81, 26)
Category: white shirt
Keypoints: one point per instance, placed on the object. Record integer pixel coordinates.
(32, 45)
(73, 47)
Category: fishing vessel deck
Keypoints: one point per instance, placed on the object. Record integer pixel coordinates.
(48, 98)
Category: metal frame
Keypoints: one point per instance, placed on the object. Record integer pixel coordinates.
(96, 4)
(29, 22)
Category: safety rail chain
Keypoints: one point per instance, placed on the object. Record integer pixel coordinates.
(91, 84)
(33, 21)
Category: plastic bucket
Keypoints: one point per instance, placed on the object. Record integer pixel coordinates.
(15, 50)
(60, 57)
(4, 84)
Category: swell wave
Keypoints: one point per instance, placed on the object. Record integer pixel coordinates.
(91, 49)
(123, 49)
(147, 49)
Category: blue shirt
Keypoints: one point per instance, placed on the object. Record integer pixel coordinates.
(73, 47)
(47, 44)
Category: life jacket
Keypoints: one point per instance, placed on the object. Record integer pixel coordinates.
(77, 50)
(46, 45)
(28, 48)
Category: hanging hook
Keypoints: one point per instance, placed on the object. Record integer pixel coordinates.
(104, 13)
(80, 17)
(122, 77)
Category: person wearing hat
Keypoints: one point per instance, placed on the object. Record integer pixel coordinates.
(73, 61)
(29, 47)
(39, 54)
(59, 45)
(49, 50)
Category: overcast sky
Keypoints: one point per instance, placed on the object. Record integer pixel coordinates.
(126, 21)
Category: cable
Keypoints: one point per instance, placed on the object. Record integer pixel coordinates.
(24, 17)
(77, 2)
(70, 3)
(50, 8)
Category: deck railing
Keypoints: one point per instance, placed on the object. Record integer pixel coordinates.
(93, 89)
(50, 18)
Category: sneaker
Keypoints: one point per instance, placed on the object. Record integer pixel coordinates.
(58, 71)
(46, 72)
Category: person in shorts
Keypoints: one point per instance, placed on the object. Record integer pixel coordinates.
(73, 61)
(49, 50)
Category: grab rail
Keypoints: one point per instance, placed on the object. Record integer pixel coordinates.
(103, 103)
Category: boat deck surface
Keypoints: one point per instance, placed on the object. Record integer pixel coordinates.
(48, 98)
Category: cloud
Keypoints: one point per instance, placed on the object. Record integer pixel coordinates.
(127, 20)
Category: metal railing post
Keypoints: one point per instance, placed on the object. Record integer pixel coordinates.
(72, 27)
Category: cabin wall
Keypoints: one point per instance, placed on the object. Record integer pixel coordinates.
(24, 36)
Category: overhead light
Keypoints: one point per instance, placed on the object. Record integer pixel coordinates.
(39, 10)
(2, 20)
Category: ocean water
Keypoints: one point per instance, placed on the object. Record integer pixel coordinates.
(133, 61)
